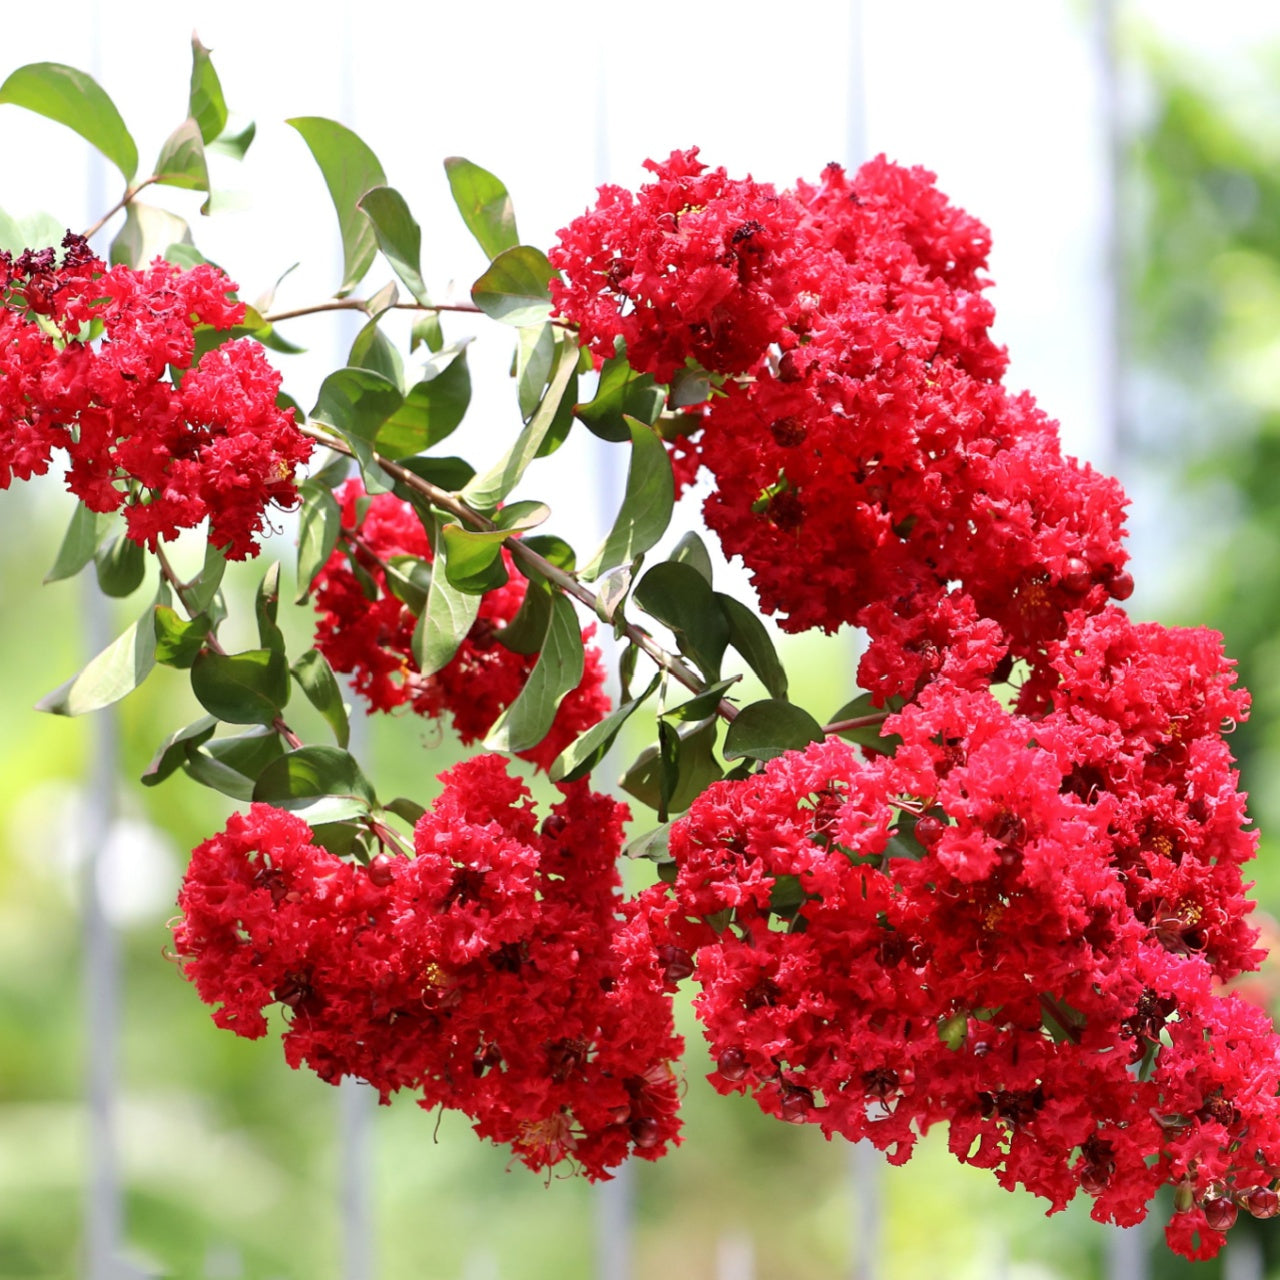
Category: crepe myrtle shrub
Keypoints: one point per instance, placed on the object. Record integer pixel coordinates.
(999, 884)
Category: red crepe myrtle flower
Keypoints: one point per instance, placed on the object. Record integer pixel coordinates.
(498, 972)
(85, 354)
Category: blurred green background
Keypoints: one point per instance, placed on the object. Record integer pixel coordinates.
(231, 1161)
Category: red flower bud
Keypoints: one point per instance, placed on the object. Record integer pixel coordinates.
(381, 870)
(646, 1132)
(1077, 576)
(732, 1064)
(1220, 1213)
(1261, 1202)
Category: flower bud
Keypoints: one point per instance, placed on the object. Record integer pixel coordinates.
(732, 1064)
(1261, 1202)
(1220, 1213)
(381, 870)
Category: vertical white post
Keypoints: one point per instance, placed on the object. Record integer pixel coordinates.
(101, 976)
(1242, 1258)
(735, 1257)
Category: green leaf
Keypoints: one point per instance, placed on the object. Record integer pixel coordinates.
(611, 593)
(182, 163)
(398, 236)
(552, 548)
(319, 522)
(72, 98)
(749, 636)
(622, 393)
(670, 776)
(514, 289)
(78, 543)
(119, 669)
(315, 676)
(147, 233)
(903, 843)
(409, 580)
(177, 640)
(646, 505)
(356, 402)
(409, 810)
(654, 845)
(207, 105)
(373, 350)
(350, 170)
(204, 586)
(470, 558)
(248, 753)
(175, 749)
(701, 705)
(426, 330)
(678, 596)
(558, 671)
(432, 410)
(320, 784)
(266, 606)
(691, 550)
(691, 385)
(586, 751)
(484, 204)
(121, 565)
(535, 355)
(235, 144)
(242, 688)
(451, 474)
(444, 623)
(488, 490)
(526, 632)
(770, 728)
(232, 765)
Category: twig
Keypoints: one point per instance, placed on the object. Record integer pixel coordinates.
(125, 199)
(858, 722)
(360, 304)
(566, 582)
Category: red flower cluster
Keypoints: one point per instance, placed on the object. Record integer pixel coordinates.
(866, 460)
(371, 638)
(84, 354)
(1016, 920)
(498, 972)
(1013, 924)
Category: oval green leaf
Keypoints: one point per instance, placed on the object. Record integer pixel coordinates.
(350, 169)
(770, 728)
(514, 289)
(484, 204)
(75, 99)
(242, 688)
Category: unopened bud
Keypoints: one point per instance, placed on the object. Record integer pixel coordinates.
(381, 870)
(1220, 1213)
(732, 1064)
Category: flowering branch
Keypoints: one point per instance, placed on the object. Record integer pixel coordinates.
(558, 577)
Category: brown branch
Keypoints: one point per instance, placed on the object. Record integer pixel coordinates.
(566, 582)
(360, 304)
(858, 722)
(124, 200)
